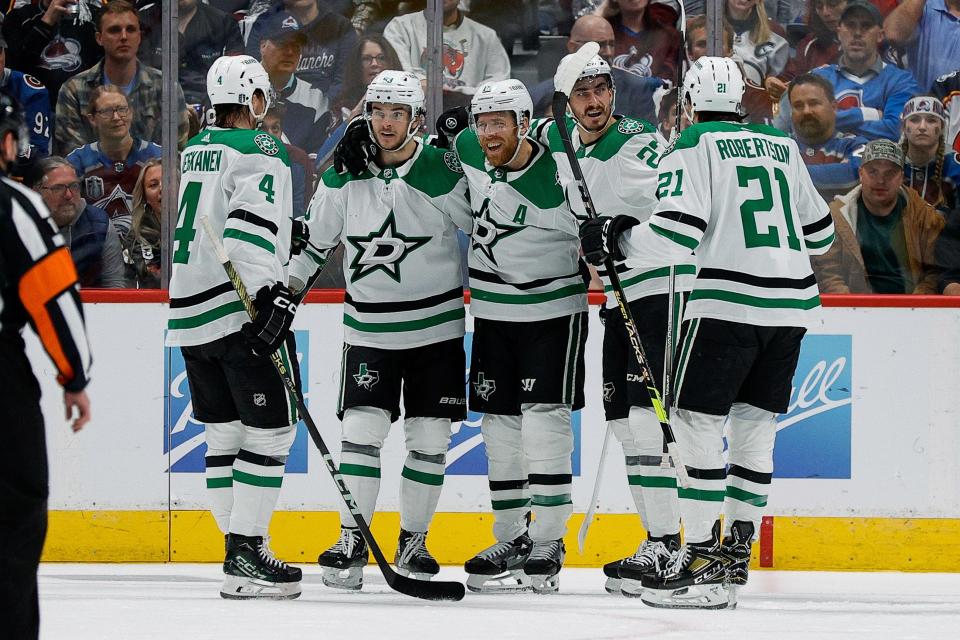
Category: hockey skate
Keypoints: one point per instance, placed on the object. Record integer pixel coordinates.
(499, 568)
(736, 552)
(544, 564)
(651, 557)
(413, 559)
(252, 571)
(694, 578)
(343, 563)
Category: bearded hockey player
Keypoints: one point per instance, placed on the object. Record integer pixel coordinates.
(403, 316)
(240, 179)
(619, 158)
(739, 196)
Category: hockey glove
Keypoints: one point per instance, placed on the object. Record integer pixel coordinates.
(355, 150)
(600, 238)
(449, 124)
(275, 311)
(299, 237)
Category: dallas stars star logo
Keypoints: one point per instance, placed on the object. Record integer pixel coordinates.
(382, 250)
(488, 232)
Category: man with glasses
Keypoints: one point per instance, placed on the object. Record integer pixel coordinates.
(397, 217)
(109, 167)
(87, 230)
(118, 32)
(870, 93)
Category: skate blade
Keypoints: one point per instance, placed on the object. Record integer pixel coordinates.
(612, 586)
(711, 596)
(631, 588)
(733, 591)
(545, 584)
(243, 588)
(343, 579)
(514, 581)
(415, 575)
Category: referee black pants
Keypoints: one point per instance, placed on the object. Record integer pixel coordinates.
(23, 492)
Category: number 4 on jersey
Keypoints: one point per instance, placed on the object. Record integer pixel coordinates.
(185, 232)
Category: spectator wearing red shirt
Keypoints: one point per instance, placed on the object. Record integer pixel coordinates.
(646, 43)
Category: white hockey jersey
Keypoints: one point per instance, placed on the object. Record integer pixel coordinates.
(525, 247)
(240, 180)
(740, 196)
(401, 257)
(620, 170)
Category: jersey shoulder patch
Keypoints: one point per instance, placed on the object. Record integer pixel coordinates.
(630, 126)
(32, 82)
(452, 161)
(267, 143)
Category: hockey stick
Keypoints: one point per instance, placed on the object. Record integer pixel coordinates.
(561, 96)
(423, 589)
(594, 498)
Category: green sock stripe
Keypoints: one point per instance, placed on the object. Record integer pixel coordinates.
(422, 477)
(655, 482)
(257, 481)
(551, 501)
(360, 470)
(755, 499)
(702, 494)
(219, 483)
(501, 505)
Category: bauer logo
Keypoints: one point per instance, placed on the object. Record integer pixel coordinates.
(183, 436)
(467, 456)
(814, 435)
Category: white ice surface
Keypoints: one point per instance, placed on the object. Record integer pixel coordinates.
(182, 601)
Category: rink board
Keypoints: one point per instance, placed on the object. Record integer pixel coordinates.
(867, 469)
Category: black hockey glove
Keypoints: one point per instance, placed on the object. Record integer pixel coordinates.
(275, 311)
(299, 237)
(600, 238)
(355, 150)
(449, 124)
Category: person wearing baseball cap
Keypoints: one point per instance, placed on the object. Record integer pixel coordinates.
(928, 168)
(885, 233)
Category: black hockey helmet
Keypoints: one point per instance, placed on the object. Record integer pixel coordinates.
(12, 119)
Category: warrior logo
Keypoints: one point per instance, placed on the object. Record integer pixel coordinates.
(260, 399)
(527, 384)
(483, 387)
(382, 250)
(366, 378)
(608, 390)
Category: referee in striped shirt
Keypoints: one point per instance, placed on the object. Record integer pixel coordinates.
(38, 284)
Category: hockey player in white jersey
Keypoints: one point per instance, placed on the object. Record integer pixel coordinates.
(528, 299)
(403, 317)
(619, 158)
(740, 197)
(240, 179)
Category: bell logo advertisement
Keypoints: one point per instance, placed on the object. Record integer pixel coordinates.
(183, 436)
(814, 435)
(467, 455)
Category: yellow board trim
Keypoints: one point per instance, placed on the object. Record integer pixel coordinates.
(813, 544)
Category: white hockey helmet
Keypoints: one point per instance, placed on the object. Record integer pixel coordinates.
(713, 84)
(396, 87)
(502, 95)
(234, 80)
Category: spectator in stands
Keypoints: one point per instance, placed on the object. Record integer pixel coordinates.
(758, 42)
(634, 93)
(870, 93)
(307, 115)
(929, 169)
(472, 53)
(929, 30)
(142, 244)
(118, 32)
(820, 46)
(93, 240)
(301, 167)
(328, 40)
(109, 167)
(832, 157)
(885, 234)
(947, 89)
(52, 40)
(205, 34)
(646, 42)
(33, 97)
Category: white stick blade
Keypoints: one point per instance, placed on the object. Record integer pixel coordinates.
(571, 66)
